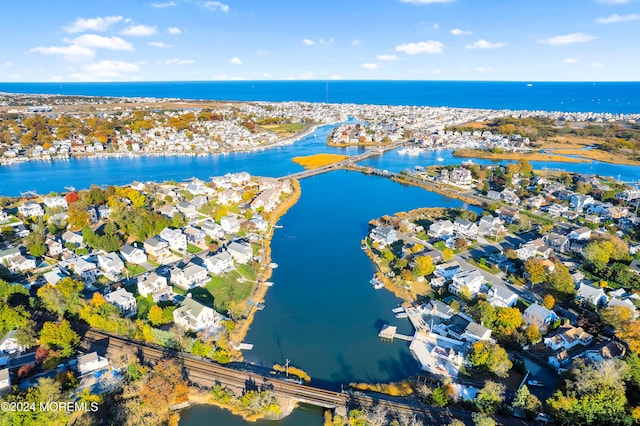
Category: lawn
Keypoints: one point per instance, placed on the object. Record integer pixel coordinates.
(134, 269)
(226, 288)
(286, 128)
(192, 249)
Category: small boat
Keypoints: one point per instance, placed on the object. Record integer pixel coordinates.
(268, 283)
(440, 159)
(535, 383)
(468, 162)
(397, 310)
(402, 151)
(402, 315)
(273, 265)
(376, 283)
(259, 306)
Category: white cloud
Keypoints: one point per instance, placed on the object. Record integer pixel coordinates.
(570, 61)
(355, 42)
(459, 32)
(615, 18)
(174, 30)
(614, 1)
(93, 24)
(308, 42)
(326, 42)
(568, 39)
(216, 5)
(235, 60)
(484, 44)
(105, 70)
(429, 46)
(160, 44)
(139, 31)
(484, 69)
(176, 61)
(6, 64)
(425, 1)
(100, 42)
(369, 66)
(306, 76)
(387, 57)
(163, 5)
(72, 52)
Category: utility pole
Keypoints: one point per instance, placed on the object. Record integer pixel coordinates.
(286, 368)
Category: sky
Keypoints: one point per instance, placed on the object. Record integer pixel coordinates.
(179, 40)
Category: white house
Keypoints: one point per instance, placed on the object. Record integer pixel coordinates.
(194, 235)
(123, 300)
(190, 276)
(133, 254)
(188, 209)
(471, 279)
(54, 276)
(490, 226)
(193, 315)
(567, 338)
(501, 297)
(72, 237)
(31, 208)
(53, 202)
(9, 344)
(440, 229)
(230, 224)
(156, 248)
(219, 263)
(383, 235)
(5, 380)
(229, 196)
(474, 332)
(87, 271)
(594, 295)
(156, 286)
(212, 229)
(176, 239)
(447, 270)
(91, 362)
(582, 233)
(261, 224)
(540, 316)
(54, 248)
(20, 263)
(240, 251)
(111, 264)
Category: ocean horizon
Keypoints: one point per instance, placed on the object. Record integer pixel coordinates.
(598, 97)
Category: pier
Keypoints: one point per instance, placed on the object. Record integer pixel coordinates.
(389, 332)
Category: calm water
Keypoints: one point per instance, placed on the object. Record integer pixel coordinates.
(199, 415)
(585, 97)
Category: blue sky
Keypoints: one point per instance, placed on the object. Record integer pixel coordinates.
(133, 40)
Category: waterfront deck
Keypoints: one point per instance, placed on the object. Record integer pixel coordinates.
(389, 333)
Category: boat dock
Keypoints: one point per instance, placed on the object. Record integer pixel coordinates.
(389, 332)
(243, 347)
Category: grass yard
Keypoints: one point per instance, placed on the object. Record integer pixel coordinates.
(192, 249)
(319, 160)
(226, 288)
(134, 269)
(285, 128)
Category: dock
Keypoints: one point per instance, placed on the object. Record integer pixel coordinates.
(243, 347)
(389, 332)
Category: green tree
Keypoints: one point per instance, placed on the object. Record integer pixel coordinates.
(490, 397)
(439, 397)
(34, 243)
(63, 297)
(524, 400)
(560, 280)
(13, 317)
(487, 313)
(491, 357)
(62, 336)
(481, 419)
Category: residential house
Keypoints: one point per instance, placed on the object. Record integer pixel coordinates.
(605, 350)
(560, 360)
(582, 233)
(229, 196)
(156, 248)
(156, 286)
(53, 202)
(6, 254)
(383, 235)
(212, 229)
(9, 344)
(447, 270)
(230, 224)
(509, 196)
(612, 213)
(490, 226)
(189, 276)
(441, 228)
(111, 265)
(556, 210)
(19, 264)
(104, 212)
(580, 201)
(508, 215)
(267, 200)
(465, 228)
(54, 248)
(460, 176)
(87, 271)
(187, 209)
(176, 239)
(475, 332)
(193, 315)
(240, 251)
(30, 208)
(590, 294)
(557, 242)
(53, 276)
(437, 282)
(628, 195)
(436, 308)
(132, 254)
(5, 380)
(493, 195)
(72, 238)
(501, 297)
(535, 248)
(567, 338)
(536, 202)
(435, 255)
(261, 224)
(540, 316)
(219, 263)
(91, 362)
(471, 279)
(194, 235)
(168, 210)
(4, 217)
(123, 300)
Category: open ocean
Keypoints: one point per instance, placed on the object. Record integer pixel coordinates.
(608, 97)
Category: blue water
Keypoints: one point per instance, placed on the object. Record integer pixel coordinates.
(547, 96)
(304, 415)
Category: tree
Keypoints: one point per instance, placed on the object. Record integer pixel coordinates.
(508, 319)
(78, 215)
(447, 254)
(54, 335)
(155, 315)
(617, 315)
(13, 317)
(487, 313)
(548, 301)
(439, 397)
(630, 333)
(63, 297)
(423, 265)
(533, 334)
(524, 400)
(481, 419)
(490, 397)
(560, 280)
(461, 244)
(491, 357)
(535, 270)
(34, 242)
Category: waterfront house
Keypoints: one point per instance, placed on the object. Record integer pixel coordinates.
(437, 354)
(240, 251)
(123, 300)
(5, 380)
(560, 360)
(441, 228)
(111, 265)
(4, 217)
(212, 229)
(156, 286)
(471, 279)
(383, 235)
(53, 202)
(30, 208)
(591, 294)
(447, 270)
(230, 224)
(9, 344)
(194, 235)
(156, 248)
(193, 315)
(582, 233)
(219, 263)
(189, 276)
(436, 308)
(465, 228)
(176, 239)
(260, 224)
(132, 254)
(91, 362)
(460, 176)
(501, 297)
(567, 338)
(540, 316)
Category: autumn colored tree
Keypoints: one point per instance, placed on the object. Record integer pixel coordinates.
(508, 320)
(41, 355)
(447, 254)
(491, 357)
(524, 400)
(548, 301)
(535, 270)
(78, 215)
(533, 334)
(60, 336)
(26, 370)
(491, 397)
(63, 297)
(155, 315)
(423, 265)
